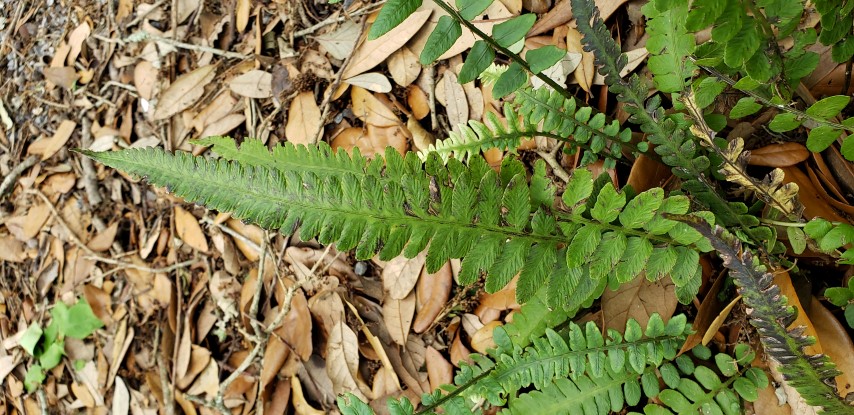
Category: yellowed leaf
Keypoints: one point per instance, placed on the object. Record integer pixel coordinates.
(401, 274)
(404, 66)
(188, 229)
(241, 14)
(47, 147)
(253, 84)
(373, 52)
(398, 315)
(184, 92)
(303, 119)
(301, 406)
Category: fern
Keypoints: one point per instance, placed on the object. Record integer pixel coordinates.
(496, 221)
(812, 375)
(669, 45)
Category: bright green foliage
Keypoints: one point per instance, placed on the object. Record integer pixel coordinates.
(48, 345)
(842, 297)
(830, 238)
(497, 222)
(393, 13)
(441, 39)
(669, 45)
(837, 22)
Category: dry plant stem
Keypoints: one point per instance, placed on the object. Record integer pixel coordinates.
(142, 36)
(90, 182)
(551, 159)
(139, 18)
(42, 401)
(324, 106)
(233, 233)
(165, 386)
(92, 255)
(9, 181)
(332, 20)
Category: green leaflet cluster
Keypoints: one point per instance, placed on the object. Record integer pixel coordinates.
(829, 238)
(537, 112)
(837, 22)
(812, 375)
(495, 221)
(581, 371)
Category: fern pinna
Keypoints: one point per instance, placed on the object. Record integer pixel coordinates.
(496, 221)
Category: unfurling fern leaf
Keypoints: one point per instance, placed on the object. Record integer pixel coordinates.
(497, 222)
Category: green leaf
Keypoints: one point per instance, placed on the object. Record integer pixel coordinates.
(640, 210)
(513, 30)
(52, 355)
(661, 262)
(509, 81)
(829, 107)
(543, 58)
(746, 389)
(726, 364)
(797, 239)
(707, 90)
(76, 322)
(703, 14)
(729, 23)
(34, 377)
(801, 66)
(744, 107)
(608, 204)
(479, 58)
(821, 137)
(469, 9)
(393, 13)
(839, 296)
(849, 316)
(350, 404)
(707, 377)
(784, 122)
(441, 39)
(741, 47)
(578, 189)
(847, 149)
(31, 338)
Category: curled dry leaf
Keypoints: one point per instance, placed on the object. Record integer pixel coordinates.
(303, 119)
(417, 101)
(373, 52)
(482, 340)
(301, 405)
(404, 66)
(188, 229)
(432, 295)
(47, 147)
(184, 92)
(779, 155)
(253, 84)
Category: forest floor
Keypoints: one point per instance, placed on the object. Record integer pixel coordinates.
(176, 285)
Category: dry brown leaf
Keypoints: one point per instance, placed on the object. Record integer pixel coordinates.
(482, 340)
(301, 406)
(241, 14)
(198, 361)
(184, 92)
(417, 101)
(207, 383)
(404, 66)
(779, 155)
(278, 403)
(11, 250)
(253, 84)
(372, 81)
(784, 281)
(439, 371)
(459, 351)
(638, 299)
(303, 119)
(836, 344)
(371, 110)
(63, 76)
(99, 301)
(327, 309)
(562, 13)
(342, 360)
(296, 326)
(372, 140)
(421, 138)
(75, 41)
(220, 107)
(342, 41)
(47, 147)
(275, 356)
(432, 293)
(814, 203)
(397, 315)
(401, 274)
(586, 70)
(769, 404)
(647, 173)
(373, 52)
(104, 239)
(385, 383)
(455, 100)
(514, 6)
(188, 229)
(26, 227)
(223, 126)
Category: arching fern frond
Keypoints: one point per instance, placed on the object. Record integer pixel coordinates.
(497, 222)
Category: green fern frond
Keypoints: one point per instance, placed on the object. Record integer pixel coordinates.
(476, 137)
(669, 45)
(497, 222)
(812, 375)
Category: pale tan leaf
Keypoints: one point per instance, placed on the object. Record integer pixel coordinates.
(432, 293)
(385, 383)
(188, 229)
(342, 41)
(482, 340)
(207, 382)
(635, 58)
(342, 360)
(63, 76)
(421, 138)
(26, 227)
(241, 12)
(417, 101)
(401, 274)
(253, 84)
(404, 66)
(439, 371)
(836, 344)
(779, 155)
(198, 360)
(455, 100)
(398, 315)
(373, 52)
(562, 13)
(638, 299)
(301, 406)
(372, 81)
(371, 110)
(474, 97)
(104, 239)
(303, 119)
(716, 324)
(223, 126)
(514, 6)
(459, 351)
(11, 250)
(185, 8)
(47, 147)
(784, 281)
(586, 70)
(184, 92)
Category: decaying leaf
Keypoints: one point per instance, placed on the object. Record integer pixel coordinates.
(184, 92)
(303, 119)
(188, 229)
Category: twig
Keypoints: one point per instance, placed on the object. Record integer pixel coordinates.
(9, 181)
(233, 233)
(318, 136)
(139, 18)
(165, 386)
(551, 159)
(89, 176)
(143, 36)
(92, 255)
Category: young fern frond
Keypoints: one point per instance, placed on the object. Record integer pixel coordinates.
(497, 222)
(669, 45)
(812, 375)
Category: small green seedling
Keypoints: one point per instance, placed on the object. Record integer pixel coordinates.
(843, 297)
(48, 346)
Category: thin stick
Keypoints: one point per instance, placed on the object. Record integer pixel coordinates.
(89, 177)
(143, 36)
(551, 159)
(9, 181)
(318, 136)
(332, 20)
